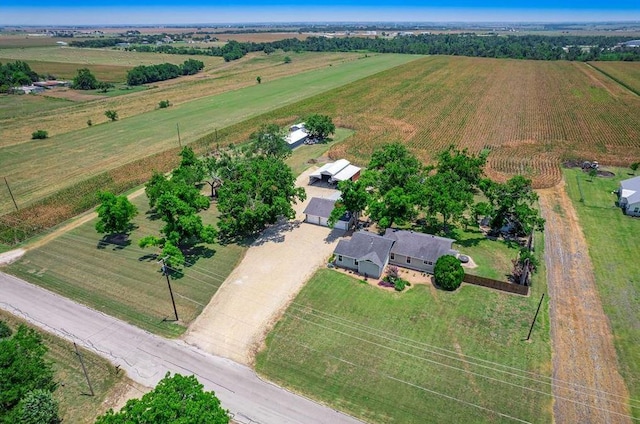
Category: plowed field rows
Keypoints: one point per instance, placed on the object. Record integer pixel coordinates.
(531, 114)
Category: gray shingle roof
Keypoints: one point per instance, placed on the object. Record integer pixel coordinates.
(364, 246)
(418, 245)
(320, 207)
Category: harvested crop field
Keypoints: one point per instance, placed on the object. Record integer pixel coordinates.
(530, 114)
(68, 70)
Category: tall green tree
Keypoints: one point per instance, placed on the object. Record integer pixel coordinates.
(175, 400)
(514, 205)
(445, 193)
(23, 369)
(114, 213)
(269, 141)
(354, 198)
(319, 126)
(257, 191)
(85, 80)
(393, 181)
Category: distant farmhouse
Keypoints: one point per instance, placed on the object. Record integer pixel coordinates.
(629, 196)
(368, 253)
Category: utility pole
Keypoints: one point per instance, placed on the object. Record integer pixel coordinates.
(83, 368)
(165, 271)
(535, 317)
(179, 141)
(9, 188)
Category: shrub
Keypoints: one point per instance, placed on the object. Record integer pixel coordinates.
(287, 59)
(89, 122)
(399, 284)
(112, 115)
(164, 104)
(5, 331)
(39, 135)
(448, 273)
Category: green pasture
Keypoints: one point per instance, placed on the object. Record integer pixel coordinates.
(124, 280)
(37, 169)
(420, 356)
(85, 56)
(74, 404)
(613, 247)
(15, 106)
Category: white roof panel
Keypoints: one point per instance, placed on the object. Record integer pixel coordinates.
(346, 173)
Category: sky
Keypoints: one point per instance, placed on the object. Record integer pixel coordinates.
(91, 12)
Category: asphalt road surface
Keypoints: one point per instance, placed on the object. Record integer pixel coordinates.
(147, 358)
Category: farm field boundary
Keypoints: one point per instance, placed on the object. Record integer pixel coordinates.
(613, 251)
(64, 160)
(622, 83)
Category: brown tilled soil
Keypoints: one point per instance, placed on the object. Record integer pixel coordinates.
(587, 385)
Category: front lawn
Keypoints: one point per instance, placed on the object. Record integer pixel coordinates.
(423, 355)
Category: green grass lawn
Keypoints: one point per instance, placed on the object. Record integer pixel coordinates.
(74, 405)
(68, 158)
(613, 247)
(424, 355)
(126, 282)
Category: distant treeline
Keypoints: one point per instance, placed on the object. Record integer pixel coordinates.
(536, 47)
(15, 74)
(153, 73)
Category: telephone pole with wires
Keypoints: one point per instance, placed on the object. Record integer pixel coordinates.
(165, 271)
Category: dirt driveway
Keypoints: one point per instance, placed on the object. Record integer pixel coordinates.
(587, 385)
(256, 293)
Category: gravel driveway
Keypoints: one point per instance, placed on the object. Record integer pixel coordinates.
(256, 293)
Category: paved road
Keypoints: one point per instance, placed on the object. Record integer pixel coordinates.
(147, 357)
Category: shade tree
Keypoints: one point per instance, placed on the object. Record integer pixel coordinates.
(176, 399)
(319, 126)
(114, 213)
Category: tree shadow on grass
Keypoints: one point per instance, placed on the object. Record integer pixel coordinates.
(115, 241)
(152, 215)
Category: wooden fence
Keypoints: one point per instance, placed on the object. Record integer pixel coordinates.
(496, 284)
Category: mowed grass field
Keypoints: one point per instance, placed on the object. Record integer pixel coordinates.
(213, 80)
(125, 281)
(74, 404)
(530, 114)
(421, 356)
(628, 73)
(68, 70)
(86, 56)
(613, 247)
(36, 169)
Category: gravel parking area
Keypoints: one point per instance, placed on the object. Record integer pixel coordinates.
(257, 292)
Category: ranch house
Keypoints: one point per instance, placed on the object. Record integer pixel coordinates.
(629, 196)
(365, 253)
(417, 251)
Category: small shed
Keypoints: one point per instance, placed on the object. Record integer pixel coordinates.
(318, 211)
(296, 138)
